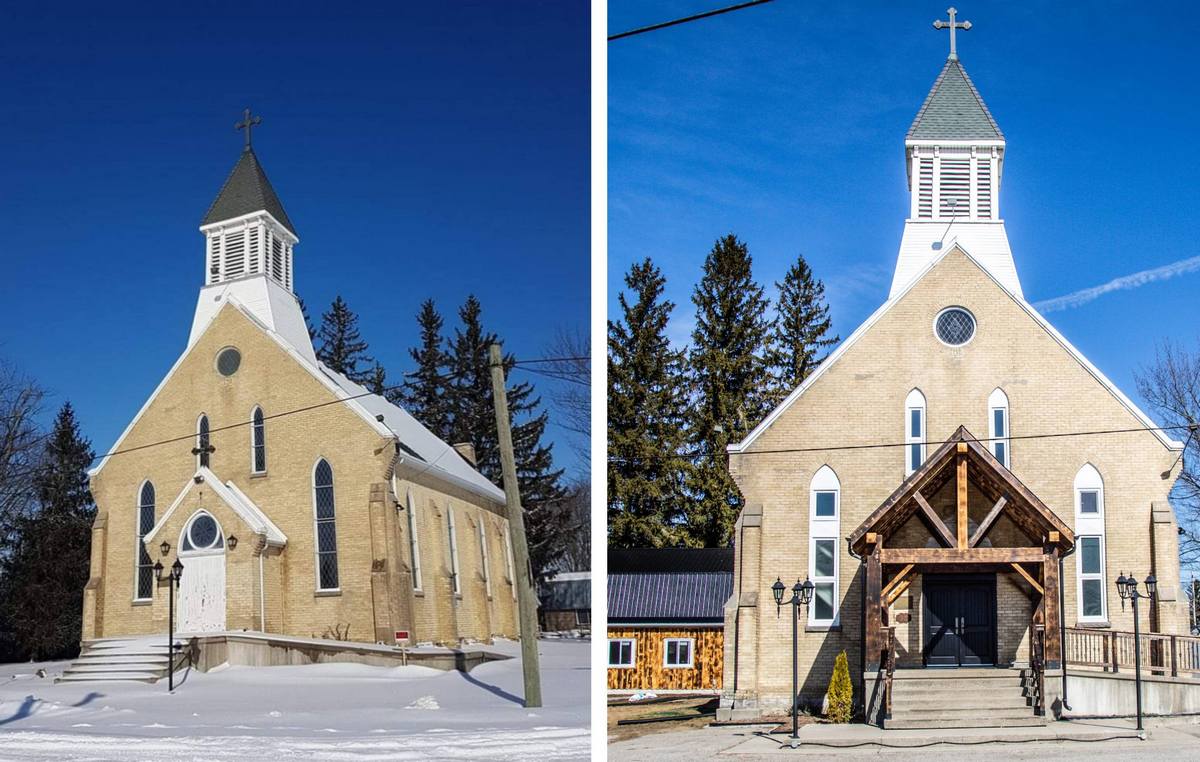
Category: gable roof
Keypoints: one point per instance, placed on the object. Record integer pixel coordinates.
(566, 594)
(233, 497)
(877, 315)
(954, 110)
(247, 190)
(1022, 506)
(663, 585)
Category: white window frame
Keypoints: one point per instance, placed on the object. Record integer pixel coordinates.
(414, 540)
(452, 547)
(139, 534)
(1099, 576)
(255, 429)
(316, 531)
(691, 644)
(820, 580)
(508, 557)
(579, 620)
(914, 402)
(632, 653)
(483, 555)
(998, 402)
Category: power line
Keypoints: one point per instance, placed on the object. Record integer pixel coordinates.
(696, 17)
(881, 445)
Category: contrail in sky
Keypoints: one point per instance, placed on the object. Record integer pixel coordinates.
(1124, 283)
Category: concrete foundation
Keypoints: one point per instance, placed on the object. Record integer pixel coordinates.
(1105, 694)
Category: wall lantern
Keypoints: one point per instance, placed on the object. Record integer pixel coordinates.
(233, 542)
(165, 547)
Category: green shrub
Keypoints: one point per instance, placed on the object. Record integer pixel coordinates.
(839, 699)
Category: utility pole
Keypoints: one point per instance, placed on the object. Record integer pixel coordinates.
(526, 603)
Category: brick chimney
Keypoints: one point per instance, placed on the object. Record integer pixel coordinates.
(467, 451)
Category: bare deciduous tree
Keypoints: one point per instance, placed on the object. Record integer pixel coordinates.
(573, 397)
(1172, 387)
(21, 449)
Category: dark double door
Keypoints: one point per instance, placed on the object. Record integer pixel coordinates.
(960, 621)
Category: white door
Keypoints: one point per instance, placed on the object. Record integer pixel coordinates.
(201, 603)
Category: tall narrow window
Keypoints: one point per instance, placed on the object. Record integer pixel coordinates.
(258, 441)
(452, 548)
(998, 426)
(483, 556)
(145, 519)
(202, 441)
(914, 431)
(508, 559)
(824, 528)
(1089, 541)
(326, 530)
(414, 542)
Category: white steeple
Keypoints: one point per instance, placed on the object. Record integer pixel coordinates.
(955, 156)
(248, 243)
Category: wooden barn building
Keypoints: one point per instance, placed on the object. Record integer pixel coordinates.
(666, 618)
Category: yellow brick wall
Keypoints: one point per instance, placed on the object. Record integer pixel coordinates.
(861, 399)
(361, 460)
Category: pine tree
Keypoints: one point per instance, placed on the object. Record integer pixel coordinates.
(312, 335)
(473, 420)
(42, 578)
(798, 340)
(646, 404)
(377, 383)
(342, 348)
(730, 381)
(425, 392)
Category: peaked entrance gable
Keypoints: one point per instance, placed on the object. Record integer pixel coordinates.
(238, 502)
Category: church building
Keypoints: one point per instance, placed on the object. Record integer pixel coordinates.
(961, 538)
(298, 503)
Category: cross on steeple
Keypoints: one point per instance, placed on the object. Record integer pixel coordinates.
(249, 123)
(951, 25)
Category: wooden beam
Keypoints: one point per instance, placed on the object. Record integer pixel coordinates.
(1050, 603)
(898, 591)
(988, 520)
(872, 538)
(874, 613)
(896, 580)
(935, 522)
(1054, 537)
(1028, 578)
(962, 495)
(921, 556)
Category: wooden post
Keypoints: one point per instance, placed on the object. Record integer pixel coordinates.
(1116, 661)
(1050, 602)
(1174, 659)
(526, 602)
(962, 495)
(874, 612)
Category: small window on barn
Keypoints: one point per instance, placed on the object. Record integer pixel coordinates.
(677, 652)
(621, 652)
(583, 617)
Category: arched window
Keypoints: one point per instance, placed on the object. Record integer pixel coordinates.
(326, 531)
(452, 548)
(914, 431)
(414, 541)
(483, 556)
(258, 442)
(824, 501)
(202, 441)
(202, 535)
(1089, 543)
(998, 433)
(145, 522)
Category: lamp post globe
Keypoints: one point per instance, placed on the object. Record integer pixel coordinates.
(158, 570)
(806, 592)
(1121, 586)
(777, 591)
(1151, 585)
(177, 570)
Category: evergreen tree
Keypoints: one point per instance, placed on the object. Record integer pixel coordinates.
(425, 392)
(377, 383)
(42, 578)
(473, 420)
(342, 348)
(798, 340)
(729, 378)
(312, 335)
(646, 408)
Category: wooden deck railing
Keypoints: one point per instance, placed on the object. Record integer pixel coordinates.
(1037, 664)
(1113, 651)
(889, 664)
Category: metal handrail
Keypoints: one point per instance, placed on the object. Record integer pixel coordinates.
(1037, 666)
(890, 664)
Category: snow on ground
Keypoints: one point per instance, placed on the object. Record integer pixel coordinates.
(319, 712)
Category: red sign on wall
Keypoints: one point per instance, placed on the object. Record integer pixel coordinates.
(401, 635)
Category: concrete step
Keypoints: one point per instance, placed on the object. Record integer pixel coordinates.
(965, 673)
(122, 657)
(127, 667)
(141, 677)
(970, 722)
(924, 713)
(1012, 700)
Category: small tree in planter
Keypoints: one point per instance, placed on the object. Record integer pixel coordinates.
(839, 699)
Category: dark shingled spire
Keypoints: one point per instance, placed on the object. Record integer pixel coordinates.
(953, 110)
(247, 190)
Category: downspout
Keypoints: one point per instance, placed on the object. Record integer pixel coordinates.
(1062, 627)
(737, 611)
(262, 595)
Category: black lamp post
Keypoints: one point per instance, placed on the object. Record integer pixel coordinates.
(1128, 588)
(173, 576)
(802, 593)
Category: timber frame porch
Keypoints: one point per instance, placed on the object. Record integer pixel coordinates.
(889, 570)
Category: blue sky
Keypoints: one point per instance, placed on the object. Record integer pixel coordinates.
(421, 150)
(785, 124)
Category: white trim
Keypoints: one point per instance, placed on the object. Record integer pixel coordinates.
(200, 456)
(859, 332)
(1100, 576)
(915, 403)
(508, 555)
(452, 547)
(233, 497)
(187, 531)
(484, 556)
(414, 539)
(253, 461)
(950, 308)
(998, 402)
(632, 653)
(316, 532)
(246, 220)
(140, 540)
(824, 580)
(691, 648)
